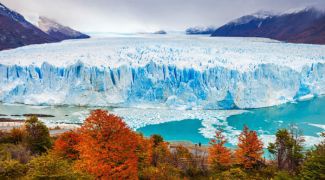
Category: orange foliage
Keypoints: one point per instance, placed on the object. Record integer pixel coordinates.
(65, 145)
(250, 148)
(160, 152)
(144, 153)
(219, 155)
(107, 147)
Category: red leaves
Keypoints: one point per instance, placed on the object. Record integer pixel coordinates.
(250, 148)
(104, 147)
(65, 145)
(219, 155)
(107, 147)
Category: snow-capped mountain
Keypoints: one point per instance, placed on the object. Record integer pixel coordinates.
(58, 31)
(176, 72)
(200, 30)
(303, 26)
(15, 31)
(261, 15)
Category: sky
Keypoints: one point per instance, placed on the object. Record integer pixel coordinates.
(149, 15)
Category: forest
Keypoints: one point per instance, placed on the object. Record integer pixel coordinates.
(104, 147)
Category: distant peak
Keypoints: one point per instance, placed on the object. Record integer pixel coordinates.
(250, 17)
(264, 14)
(304, 9)
(2, 6)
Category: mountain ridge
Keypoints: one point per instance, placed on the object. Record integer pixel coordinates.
(16, 31)
(59, 31)
(304, 26)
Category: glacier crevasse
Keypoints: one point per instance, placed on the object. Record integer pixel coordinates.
(159, 85)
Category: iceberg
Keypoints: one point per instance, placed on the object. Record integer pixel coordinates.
(172, 71)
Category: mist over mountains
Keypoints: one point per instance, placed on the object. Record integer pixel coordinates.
(16, 31)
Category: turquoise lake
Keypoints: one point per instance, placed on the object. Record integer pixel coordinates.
(195, 125)
(308, 116)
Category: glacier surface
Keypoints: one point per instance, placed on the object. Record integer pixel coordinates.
(163, 71)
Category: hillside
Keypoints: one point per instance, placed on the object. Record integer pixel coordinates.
(305, 26)
(15, 31)
(58, 31)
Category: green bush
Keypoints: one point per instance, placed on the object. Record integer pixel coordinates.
(17, 152)
(11, 169)
(314, 165)
(49, 166)
(38, 136)
(282, 175)
(233, 174)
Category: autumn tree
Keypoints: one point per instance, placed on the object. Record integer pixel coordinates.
(107, 147)
(65, 145)
(38, 136)
(219, 155)
(156, 139)
(160, 151)
(287, 149)
(144, 154)
(161, 166)
(250, 149)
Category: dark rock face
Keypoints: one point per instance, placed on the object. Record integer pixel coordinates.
(160, 32)
(306, 26)
(58, 31)
(15, 31)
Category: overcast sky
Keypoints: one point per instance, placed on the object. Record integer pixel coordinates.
(148, 15)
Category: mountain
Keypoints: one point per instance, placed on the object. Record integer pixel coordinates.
(304, 26)
(58, 31)
(200, 30)
(15, 31)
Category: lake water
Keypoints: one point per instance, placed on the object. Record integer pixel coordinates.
(308, 116)
(196, 125)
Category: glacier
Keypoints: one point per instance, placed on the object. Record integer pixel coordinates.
(163, 71)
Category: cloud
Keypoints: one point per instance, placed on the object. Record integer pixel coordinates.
(149, 15)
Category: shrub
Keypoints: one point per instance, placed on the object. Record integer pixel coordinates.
(11, 169)
(314, 165)
(18, 135)
(50, 166)
(38, 137)
(16, 152)
(233, 174)
(283, 175)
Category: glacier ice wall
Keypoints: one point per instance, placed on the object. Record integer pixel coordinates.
(170, 71)
(159, 85)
